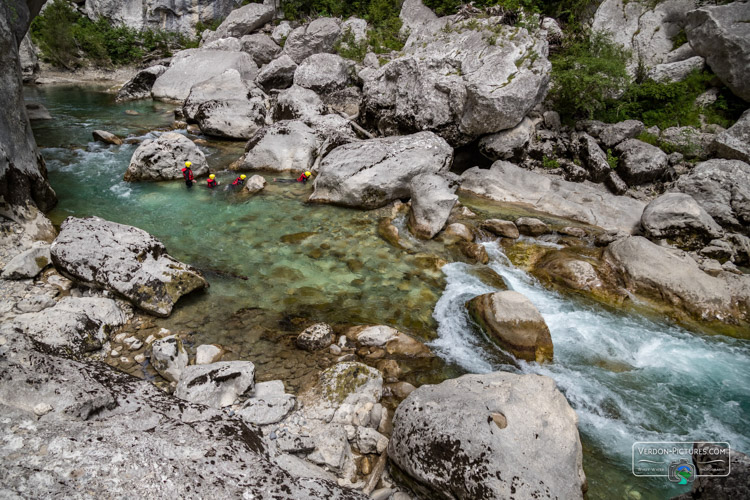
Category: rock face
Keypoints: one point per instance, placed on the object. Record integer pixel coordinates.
(226, 106)
(677, 216)
(243, 21)
(27, 54)
(508, 144)
(432, 199)
(721, 34)
(512, 321)
(281, 147)
(370, 174)
(323, 73)
(314, 38)
(645, 29)
(639, 162)
(163, 158)
(178, 15)
(216, 385)
(124, 260)
(578, 201)
(675, 279)
(278, 74)
(734, 143)
(139, 87)
(24, 188)
(441, 85)
(192, 66)
(722, 187)
(504, 420)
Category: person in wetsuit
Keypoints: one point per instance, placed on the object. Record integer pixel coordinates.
(239, 182)
(212, 182)
(304, 177)
(187, 174)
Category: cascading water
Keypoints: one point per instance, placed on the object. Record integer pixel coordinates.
(628, 378)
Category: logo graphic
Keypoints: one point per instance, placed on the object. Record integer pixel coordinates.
(681, 472)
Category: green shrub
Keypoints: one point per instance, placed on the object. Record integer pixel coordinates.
(586, 73)
(550, 163)
(348, 48)
(611, 159)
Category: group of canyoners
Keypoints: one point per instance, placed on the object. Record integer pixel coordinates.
(211, 182)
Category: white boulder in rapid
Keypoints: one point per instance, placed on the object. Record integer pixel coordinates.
(125, 260)
(163, 158)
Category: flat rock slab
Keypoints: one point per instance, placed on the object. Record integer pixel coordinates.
(125, 260)
(216, 385)
(583, 202)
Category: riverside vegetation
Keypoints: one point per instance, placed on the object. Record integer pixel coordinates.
(522, 214)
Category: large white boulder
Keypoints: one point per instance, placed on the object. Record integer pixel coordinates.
(243, 21)
(163, 158)
(433, 197)
(498, 435)
(369, 174)
(314, 38)
(678, 217)
(216, 385)
(125, 260)
(281, 147)
(323, 73)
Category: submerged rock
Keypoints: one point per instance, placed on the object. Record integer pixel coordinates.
(216, 385)
(125, 260)
(163, 158)
(472, 436)
(139, 87)
(678, 217)
(514, 323)
(582, 202)
(370, 174)
(106, 137)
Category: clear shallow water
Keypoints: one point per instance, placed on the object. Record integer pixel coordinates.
(628, 378)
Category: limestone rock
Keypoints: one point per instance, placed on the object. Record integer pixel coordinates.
(261, 47)
(125, 260)
(226, 106)
(207, 353)
(243, 21)
(36, 111)
(504, 228)
(29, 59)
(370, 441)
(315, 337)
(369, 174)
(569, 271)
(734, 143)
(460, 231)
(283, 146)
(106, 137)
(322, 73)
(674, 279)
(508, 144)
(687, 140)
(514, 323)
(504, 419)
(229, 44)
(314, 38)
(432, 199)
(29, 263)
(721, 34)
(254, 184)
(277, 74)
(216, 385)
(678, 217)
(269, 404)
(281, 32)
(531, 226)
(414, 14)
(722, 188)
(139, 87)
(297, 102)
(612, 135)
(441, 85)
(192, 66)
(676, 71)
(169, 357)
(593, 157)
(163, 158)
(640, 162)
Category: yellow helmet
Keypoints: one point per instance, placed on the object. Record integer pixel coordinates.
(212, 176)
(187, 163)
(307, 174)
(243, 177)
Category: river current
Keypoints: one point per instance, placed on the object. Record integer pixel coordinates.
(272, 258)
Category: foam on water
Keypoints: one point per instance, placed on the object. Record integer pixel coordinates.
(628, 378)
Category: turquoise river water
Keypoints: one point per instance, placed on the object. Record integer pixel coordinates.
(272, 257)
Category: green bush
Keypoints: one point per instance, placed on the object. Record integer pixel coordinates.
(69, 39)
(586, 73)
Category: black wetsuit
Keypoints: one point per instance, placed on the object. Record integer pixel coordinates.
(188, 175)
